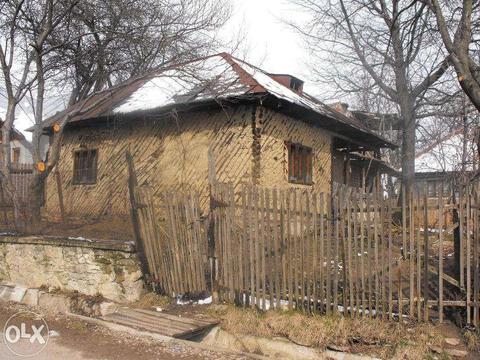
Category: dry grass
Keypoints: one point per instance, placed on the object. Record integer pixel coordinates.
(385, 339)
(472, 340)
(150, 300)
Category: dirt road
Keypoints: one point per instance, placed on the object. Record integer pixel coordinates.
(77, 340)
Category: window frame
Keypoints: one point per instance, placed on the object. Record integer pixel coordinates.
(299, 164)
(16, 150)
(76, 179)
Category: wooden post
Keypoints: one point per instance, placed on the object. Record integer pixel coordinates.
(425, 254)
(440, 254)
(212, 180)
(132, 184)
(60, 195)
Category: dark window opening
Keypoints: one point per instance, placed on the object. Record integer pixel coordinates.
(296, 85)
(300, 164)
(85, 167)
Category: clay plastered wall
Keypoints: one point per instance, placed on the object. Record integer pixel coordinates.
(34, 262)
(172, 153)
(277, 128)
(169, 153)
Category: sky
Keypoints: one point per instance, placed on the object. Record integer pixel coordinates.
(270, 44)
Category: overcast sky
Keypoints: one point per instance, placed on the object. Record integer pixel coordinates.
(271, 45)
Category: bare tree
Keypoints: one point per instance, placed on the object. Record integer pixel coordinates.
(93, 45)
(25, 26)
(459, 26)
(111, 41)
(391, 42)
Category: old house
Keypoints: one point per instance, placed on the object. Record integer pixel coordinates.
(20, 148)
(261, 129)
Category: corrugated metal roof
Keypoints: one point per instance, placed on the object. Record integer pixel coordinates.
(216, 77)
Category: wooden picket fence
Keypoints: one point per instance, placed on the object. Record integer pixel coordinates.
(174, 241)
(350, 252)
(21, 175)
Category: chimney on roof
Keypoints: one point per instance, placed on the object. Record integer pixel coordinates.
(289, 81)
(340, 107)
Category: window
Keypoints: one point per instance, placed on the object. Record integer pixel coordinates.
(300, 162)
(85, 167)
(431, 189)
(16, 155)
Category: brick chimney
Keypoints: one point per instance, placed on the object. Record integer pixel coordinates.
(289, 81)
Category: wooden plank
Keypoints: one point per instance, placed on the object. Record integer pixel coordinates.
(321, 255)
(295, 249)
(178, 319)
(251, 240)
(419, 259)
(314, 252)
(262, 233)
(270, 249)
(390, 262)
(277, 252)
(425, 255)
(283, 245)
(411, 236)
(341, 215)
(440, 254)
(376, 251)
(289, 251)
(369, 254)
(349, 264)
(383, 249)
(468, 256)
(244, 248)
(132, 185)
(301, 247)
(258, 267)
(461, 213)
(328, 242)
(58, 180)
(476, 265)
(336, 256)
(363, 287)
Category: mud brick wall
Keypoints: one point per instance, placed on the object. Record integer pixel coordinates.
(170, 152)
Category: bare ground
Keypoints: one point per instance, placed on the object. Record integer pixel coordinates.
(80, 340)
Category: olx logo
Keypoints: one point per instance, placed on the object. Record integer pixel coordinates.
(26, 334)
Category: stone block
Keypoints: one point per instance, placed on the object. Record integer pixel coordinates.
(31, 297)
(108, 308)
(18, 293)
(54, 302)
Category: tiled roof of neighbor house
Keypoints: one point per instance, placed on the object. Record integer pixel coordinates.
(445, 154)
(214, 78)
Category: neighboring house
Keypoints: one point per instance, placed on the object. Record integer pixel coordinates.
(261, 128)
(441, 166)
(21, 148)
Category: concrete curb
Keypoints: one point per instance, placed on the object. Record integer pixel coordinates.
(161, 338)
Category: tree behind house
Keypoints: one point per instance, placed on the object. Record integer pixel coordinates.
(391, 42)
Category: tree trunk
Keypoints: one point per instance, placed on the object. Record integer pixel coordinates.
(36, 200)
(7, 183)
(408, 145)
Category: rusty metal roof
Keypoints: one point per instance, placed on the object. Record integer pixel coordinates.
(221, 76)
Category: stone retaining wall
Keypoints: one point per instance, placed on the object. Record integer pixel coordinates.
(108, 268)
